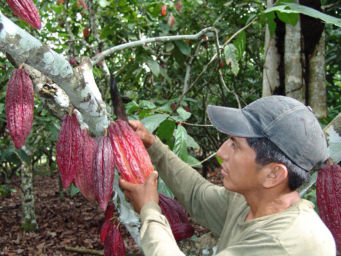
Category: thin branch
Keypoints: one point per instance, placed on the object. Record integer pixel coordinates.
(225, 86)
(133, 44)
(216, 55)
(206, 159)
(189, 67)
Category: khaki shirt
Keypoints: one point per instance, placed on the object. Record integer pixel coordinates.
(297, 230)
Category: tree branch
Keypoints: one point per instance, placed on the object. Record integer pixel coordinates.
(133, 44)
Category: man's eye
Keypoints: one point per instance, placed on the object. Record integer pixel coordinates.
(234, 146)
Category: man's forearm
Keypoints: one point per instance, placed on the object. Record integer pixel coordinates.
(156, 234)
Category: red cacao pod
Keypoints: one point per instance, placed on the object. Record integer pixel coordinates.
(109, 214)
(113, 242)
(131, 157)
(86, 32)
(26, 11)
(83, 178)
(19, 106)
(175, 206)
(176, 217)
(328, 199)
(103, 166)
(164, 10)
(68, 149)
(182, 231)
(171, 20)
(178, 6)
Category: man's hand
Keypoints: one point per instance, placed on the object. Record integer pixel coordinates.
(147, 137)
(141, 194)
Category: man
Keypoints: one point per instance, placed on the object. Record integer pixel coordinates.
(274, 143)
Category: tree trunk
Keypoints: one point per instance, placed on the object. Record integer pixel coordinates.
(293, 78)
(28, 219)
(294, 61)
(317, 79)
(271, 79)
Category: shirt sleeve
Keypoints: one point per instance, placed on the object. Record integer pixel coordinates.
(204, 201)
(156, 234)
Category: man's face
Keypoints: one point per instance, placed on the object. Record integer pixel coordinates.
(240, 171)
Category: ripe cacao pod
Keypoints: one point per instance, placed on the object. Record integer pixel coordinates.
(131, 157)
(176, 217)
(109, 214)
(171, 20)
(83, 178)
(182, 231)
(164, 10)
(26, 11)
(68, 149)
(19, 106)
(328, 199)
(113, 242)
(103, 166)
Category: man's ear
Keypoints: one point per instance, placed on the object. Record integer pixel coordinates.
(274, 174)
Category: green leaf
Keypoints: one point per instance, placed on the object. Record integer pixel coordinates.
(191, 143)
(23, 156)
(163, 189)
(146, 104)
(297, 8)
(230, 52)
(154, 67)
(103, 3)
(153, 122)
(218, 159)
(289, 18)
(184, 115)
(240, 44)
(180, 146)
(73, 190)
(193, 162)
(183, 47)
(169, 47)
(270, 20)
(131, 106)
(2, 107)
(166, 130)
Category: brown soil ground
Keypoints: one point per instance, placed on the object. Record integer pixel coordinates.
(74, 222)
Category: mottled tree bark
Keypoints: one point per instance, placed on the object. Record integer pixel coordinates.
(294, 60)
(293, 78)
(271, 62)
(317, 79)
(28, 219)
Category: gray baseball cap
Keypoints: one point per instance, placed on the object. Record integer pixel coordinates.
(288, 123)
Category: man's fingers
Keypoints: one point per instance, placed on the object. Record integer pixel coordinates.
(133, 124)
(125, 185)
(152, 177)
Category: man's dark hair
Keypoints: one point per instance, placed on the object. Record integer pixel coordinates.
(267, 152)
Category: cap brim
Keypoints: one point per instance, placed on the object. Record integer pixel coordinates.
(232, 121)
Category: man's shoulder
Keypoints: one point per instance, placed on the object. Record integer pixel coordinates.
(307, 230)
